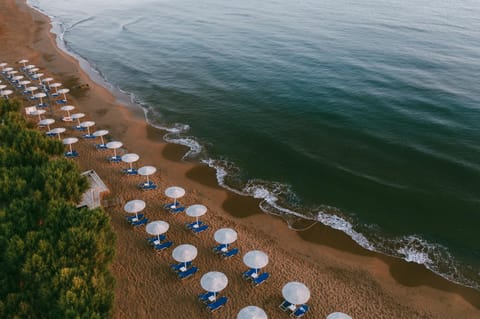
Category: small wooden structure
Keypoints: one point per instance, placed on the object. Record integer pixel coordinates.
(93, 196)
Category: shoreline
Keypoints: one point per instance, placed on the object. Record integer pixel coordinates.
(321, 248)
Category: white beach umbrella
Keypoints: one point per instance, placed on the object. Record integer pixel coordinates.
(24, 62)
(252, 312)
(101, 134)
(225, 236)
(255, 259)
(24, 83)
(55, 85)
(47, 80)
(17, 78)
(7, 69)
(38, 76)
(338, 315)
(295, 293)
(87, 125)
(184, 253)
(30, 66)
(31, 89)
(157, 228)
(113, 145)
(67, 108)
(64, 92)
(46, 122)
(196, 211)
(12, 73)
(130, 158)
(174, 192)
(38, 113)
(69, 141)
(3, 65)
(40, 95)
(33, 70)
(134, 206)
(57, 131)
(214, 281)
(77, 116)
(6, 93)
(147, 171)
(2, 86)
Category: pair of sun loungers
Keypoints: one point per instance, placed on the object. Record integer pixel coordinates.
(71, 154)
(216, 304)
(297, 312)
(174, 208)
(223, 251)
(255, 278)
(137, 220)
(147, 185)
(187, 273)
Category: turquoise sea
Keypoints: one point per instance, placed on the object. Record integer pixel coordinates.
(364, 115)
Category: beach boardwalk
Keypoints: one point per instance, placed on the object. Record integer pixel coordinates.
(92, 197)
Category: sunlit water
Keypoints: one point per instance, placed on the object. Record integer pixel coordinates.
(363, 115)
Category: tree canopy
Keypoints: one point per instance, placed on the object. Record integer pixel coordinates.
(54, 256)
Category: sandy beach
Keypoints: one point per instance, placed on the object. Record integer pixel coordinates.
(341, 275)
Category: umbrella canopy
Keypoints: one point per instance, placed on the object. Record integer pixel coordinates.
(2, 86)
(24, 82)
(40, 95)
(214, 281)
(46, 122)
(184, 253)
(63, 91)
(87, 124)
(100, 133)
(55, 85)
(30, 66)
(338, 315)
(147, 170)
(38, 113)
(23, 61)
(134, 206)
(114, 144)
(6, 92)
(47, 80)
(31, 88)
(67, 108)
(252, 312)
(38, 75)
(157, 228)
(57, 130)
(225, 236)
(77, 116)
(196, 210)
(8, 69)
(130, 158)
(174, 192)
(70, 140)
(18, 77)
(296, 293)
(255, 259)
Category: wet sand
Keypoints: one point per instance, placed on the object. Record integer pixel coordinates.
(341, 275)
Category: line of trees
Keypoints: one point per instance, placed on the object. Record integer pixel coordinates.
(54, 257)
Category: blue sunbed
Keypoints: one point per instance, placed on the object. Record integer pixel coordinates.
(300, 311)
(217, 304)
(188, 273)
(131, 217)
(71, 154)
(200, 229)
(218, 249)
(260, 279)
(152, 240)
(130, 171)
(284, 305)
(176, 267)
(176, 210)
(140, 222)
(230, 253)
(147, 186)
(191, 225)
(163, 246)
(101, 146)
(171, 205)
(204, 297)
(248, 274)
(115, 159)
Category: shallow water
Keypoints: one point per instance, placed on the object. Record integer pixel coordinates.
(361, 115)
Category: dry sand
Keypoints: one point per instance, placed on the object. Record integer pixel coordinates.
(341, 275)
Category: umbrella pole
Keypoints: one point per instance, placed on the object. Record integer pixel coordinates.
(58, 136)
(197, 220)
(148, 180)
(71, 151)
(101, 137)
(115, 152)
(174, 202)
(136, 215)
(158, 237)
(131, 167)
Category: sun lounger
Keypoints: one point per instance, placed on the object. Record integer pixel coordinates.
(220, 248)
(131, 218)
(260, 279)
(205, 297)
(248, 274)
(71, 154)
(171, 205)
(139, 222)
(299, 312)
(88, 136)
(176, 267)
(129, 171)
(115, 159)
(284, 305)
(152, 240)
(191, 225)
(163, 246)
(147, 186)
(217, 304)
(188, 273)
(101, 146)
(230, 253)
(200, 229)
(79, 128)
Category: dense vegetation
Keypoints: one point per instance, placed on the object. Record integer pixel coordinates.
(54, 257)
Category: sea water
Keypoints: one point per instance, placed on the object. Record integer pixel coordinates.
(363, 115)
